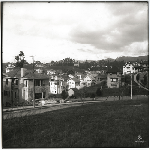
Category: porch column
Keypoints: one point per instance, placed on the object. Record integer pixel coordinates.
(42, 94)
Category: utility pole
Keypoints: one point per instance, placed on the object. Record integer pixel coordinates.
(119, 88)
(33, 84)
(131, 85)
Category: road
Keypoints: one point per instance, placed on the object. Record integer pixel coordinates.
(29, 110)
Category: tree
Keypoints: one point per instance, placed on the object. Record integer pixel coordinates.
(99, 92)
(64, 94)
(137, 77)
(20, 59)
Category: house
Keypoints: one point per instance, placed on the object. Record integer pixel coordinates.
(100, 77)
(113, 77)
(50, 71)
(70, 76)
(128, 68)
(73, 91)
(39, 70)
(10, 67)
(90, 80)
(76, 64)
(73, 83)
(79, 76)
(145, 65)
(64, 79)
(41, 85)
(58, 83)
(55, 86)
(18, 86)
(10, 90)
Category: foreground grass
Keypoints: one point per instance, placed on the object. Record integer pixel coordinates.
(106, 124)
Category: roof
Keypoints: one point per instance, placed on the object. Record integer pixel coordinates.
(75, 79)
(16, 73)
(103, 76)
(113, 69)
(32, 75)
(65, 77)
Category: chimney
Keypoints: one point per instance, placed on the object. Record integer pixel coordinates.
(23, 72)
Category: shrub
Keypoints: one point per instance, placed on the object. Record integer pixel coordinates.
(92, 95)
(99, 92)
(64, 94)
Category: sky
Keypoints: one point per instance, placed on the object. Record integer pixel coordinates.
(79, 30)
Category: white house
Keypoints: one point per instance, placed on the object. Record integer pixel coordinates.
(128, 68)
(55, 86)
(72, 92)
(51, 71)
(73, 83)
(89, 79)
(9, 68)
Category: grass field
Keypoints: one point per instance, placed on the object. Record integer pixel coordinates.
(106, 124)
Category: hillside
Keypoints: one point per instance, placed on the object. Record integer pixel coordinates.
(129, 58)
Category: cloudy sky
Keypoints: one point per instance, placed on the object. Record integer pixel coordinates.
(92, 31)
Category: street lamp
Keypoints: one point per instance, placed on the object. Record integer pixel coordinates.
(33, 84)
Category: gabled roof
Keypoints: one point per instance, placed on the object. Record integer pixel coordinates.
(103, 76)
(32, 75)
(75, 79)
(16, 73)
(65, 77)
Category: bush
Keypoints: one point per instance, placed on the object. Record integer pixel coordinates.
(99, 92)
(92, 95)
(64, 94)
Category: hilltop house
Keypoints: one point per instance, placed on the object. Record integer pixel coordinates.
(128, 68)
(9, 68)
(76, 64)
(113, 77)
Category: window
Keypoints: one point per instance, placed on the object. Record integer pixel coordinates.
(114, 85)
(37, 82)
(114, 79)
(16, 82)
(5, 93)
(6, 81)
(15, 94)
(38, 95)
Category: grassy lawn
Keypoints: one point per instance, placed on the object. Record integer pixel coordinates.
(105, 124)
